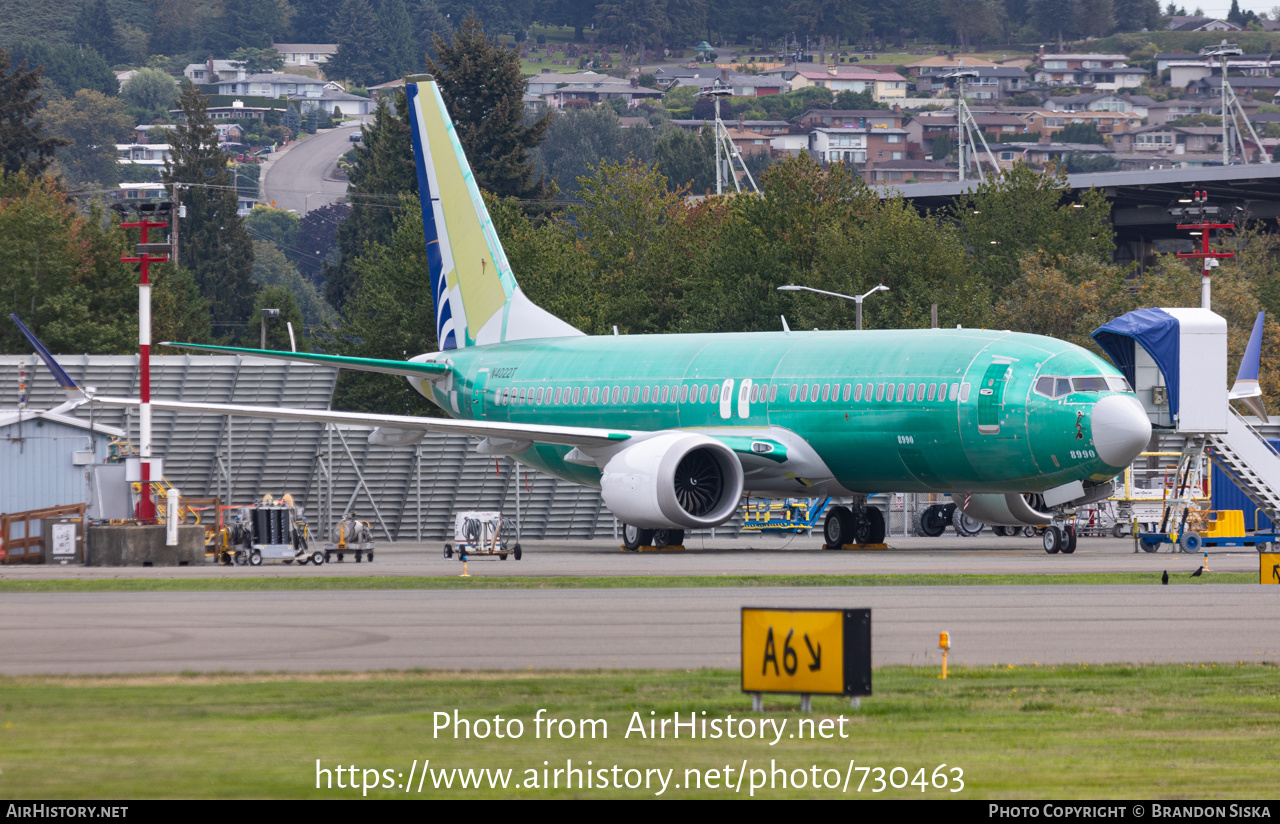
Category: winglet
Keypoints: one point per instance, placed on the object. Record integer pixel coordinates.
(59, 374)
(1246, 388)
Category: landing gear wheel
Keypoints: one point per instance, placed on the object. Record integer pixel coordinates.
(255, 558)
(517, 553)
(1068, 539)
(1052, 540)
(839, 528)
(875, 525)
(998, 531)
(932, 523)
(633, 537)
(242, 557)
(319, 557)
(1190, 541)
(1028, 532)
(668, 537)
(448, 551)
(966, 525)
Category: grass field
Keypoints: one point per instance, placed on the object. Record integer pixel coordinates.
(1175, 731)
(254, 584)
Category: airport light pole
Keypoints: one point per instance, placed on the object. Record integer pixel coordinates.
(879, 287)
(144, 257)
(1201, 215)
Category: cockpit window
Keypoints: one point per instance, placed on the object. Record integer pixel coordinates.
(1044, 386)
(1118, 384)
(1096, 384)
(1062, 387)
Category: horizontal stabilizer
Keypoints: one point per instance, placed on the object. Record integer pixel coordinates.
(59, 374)
(408, 369)
(1246, 388)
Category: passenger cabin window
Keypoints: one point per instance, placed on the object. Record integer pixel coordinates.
(955, 391)
(920, 392)
(645, 397)
(666, 390)
(911, 393)
(857, 393)
(879, 391)
(684, 393)
(815, 393)
(702, 394)
(847, 389)
(755, 393)
(595, 394)
(558, 394)
(826, 392)
(715, 393)
(626, 394)
(773, 393)
(804, 393)
(964, 393)
(888, 395)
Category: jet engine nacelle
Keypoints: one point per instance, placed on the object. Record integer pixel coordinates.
(673, 481)
(996, 509)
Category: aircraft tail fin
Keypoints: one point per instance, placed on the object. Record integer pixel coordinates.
(64, 380)
(1246, 388)
(477, 299)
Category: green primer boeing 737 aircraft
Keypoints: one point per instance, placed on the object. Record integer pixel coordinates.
(675, 429)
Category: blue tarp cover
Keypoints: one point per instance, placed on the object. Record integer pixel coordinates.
(1156, 331)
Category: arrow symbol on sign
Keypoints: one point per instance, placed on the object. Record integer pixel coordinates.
(1275, 573)
(817, 656)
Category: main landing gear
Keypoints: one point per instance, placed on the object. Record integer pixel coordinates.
(1060, 539)
(857, 525)
(633, 537)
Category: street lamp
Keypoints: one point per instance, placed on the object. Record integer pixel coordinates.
(267, 313)
(879, 287)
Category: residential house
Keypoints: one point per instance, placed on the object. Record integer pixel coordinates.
(1106, 72)
(306, 54)
(838, 145)
(794, 142)
(853, 118)
(912, 171)
(883, 87)
(1041, 155)
(1161, 113)
(988, 83)
(142, 154)
(1100, 102)
(160, 133)
(935, 65)
(739, 85)
(1181, 22)
(600, 92)
(925, 127)
(1174, 140)
(123, 78)
(1050, 123)
(210, 71)
(229, 133)
(308, 92)
(748, 141)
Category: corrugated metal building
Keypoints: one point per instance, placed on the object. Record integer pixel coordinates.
(45, 457)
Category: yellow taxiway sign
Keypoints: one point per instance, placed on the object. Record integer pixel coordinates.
(807, 651)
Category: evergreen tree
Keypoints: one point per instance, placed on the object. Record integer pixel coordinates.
(484, 91)
(398, 52)
(95, 28)
(214, 243)
(22, 149)
(428, 24)
(1136, 15)
(66, 67)
(92, 124)
(384, 170)
(359, 48)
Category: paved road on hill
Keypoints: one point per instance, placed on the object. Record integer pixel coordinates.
(664, 628)
(302, 178)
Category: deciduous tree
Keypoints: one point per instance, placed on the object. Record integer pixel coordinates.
(92, 124)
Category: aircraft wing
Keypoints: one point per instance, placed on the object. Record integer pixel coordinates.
(582, 436)
(408, 369)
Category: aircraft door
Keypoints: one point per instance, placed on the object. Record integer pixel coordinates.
(478, 403)
(991, 396)
(726, 399)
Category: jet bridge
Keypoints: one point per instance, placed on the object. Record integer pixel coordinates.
(1176, 362)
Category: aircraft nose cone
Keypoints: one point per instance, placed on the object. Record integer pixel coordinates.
(1121, 429)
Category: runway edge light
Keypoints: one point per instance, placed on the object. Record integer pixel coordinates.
(944, 644)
